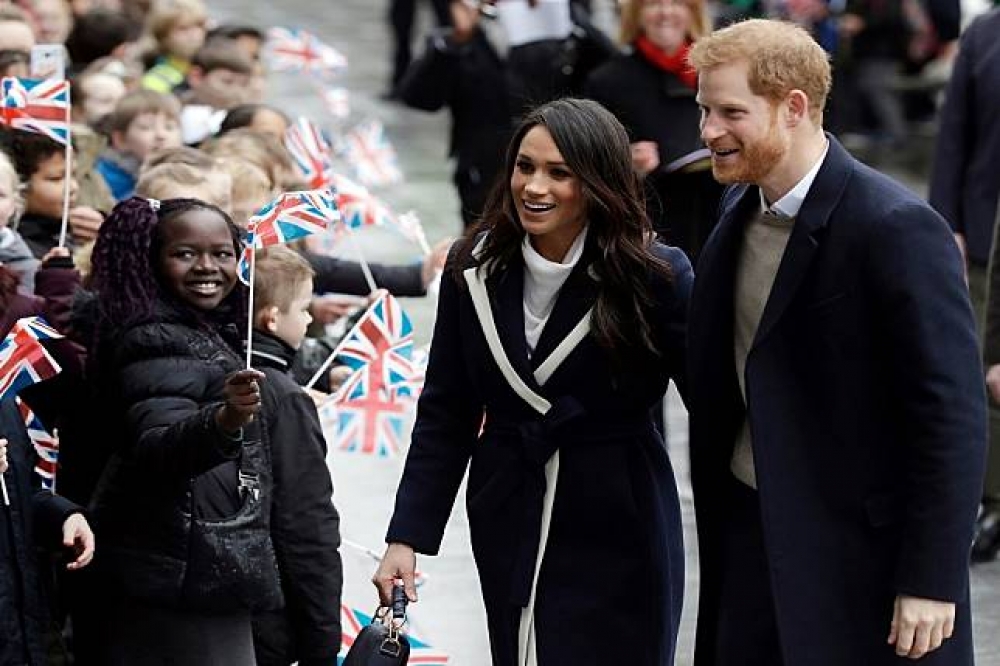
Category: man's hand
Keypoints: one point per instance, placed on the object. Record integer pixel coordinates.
(3, 455)
(85, 223)
(78, 536)
(920, 626)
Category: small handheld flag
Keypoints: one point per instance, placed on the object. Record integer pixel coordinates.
(311, 152)
(46, 446)
(371, 155)
(297, 50)
(36, 105)
(291, 216)
(24, 361)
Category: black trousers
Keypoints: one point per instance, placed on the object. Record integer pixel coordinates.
(747, 631)
(401, 17)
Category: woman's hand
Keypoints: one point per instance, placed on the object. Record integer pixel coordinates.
(78, 536)
(398, 563)
(242, 400)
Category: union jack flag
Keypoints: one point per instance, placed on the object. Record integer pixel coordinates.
(371, 155)
(36, 105)
(294, 49)
(23, 359)
(291, 216)
(360, 419)
(371, 412)
(46, 446)
(312, 153)
(358, 207)
(382, 341)
(352, 621)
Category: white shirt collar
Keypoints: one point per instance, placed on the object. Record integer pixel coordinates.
(790, 204)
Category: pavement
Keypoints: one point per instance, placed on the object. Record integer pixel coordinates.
(449, 614)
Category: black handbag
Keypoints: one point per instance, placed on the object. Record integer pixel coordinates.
(381, 643)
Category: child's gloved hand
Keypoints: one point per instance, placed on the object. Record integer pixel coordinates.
(242, 400)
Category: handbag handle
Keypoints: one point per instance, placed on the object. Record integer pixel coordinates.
(398, 603)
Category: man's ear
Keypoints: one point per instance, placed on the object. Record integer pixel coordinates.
(797, 104)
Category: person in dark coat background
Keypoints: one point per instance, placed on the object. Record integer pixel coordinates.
(572, 506)
(401, 18)
(651, 91)
(964, 188)
(835, 391)
(465, 68)
(33, 517)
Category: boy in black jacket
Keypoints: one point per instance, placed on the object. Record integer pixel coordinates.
(305, 526)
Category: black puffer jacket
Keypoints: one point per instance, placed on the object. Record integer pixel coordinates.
(173, 466)
(35, 517)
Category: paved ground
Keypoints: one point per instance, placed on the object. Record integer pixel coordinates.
(450, 614)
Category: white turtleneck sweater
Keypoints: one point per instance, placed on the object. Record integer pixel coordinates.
(542, 281)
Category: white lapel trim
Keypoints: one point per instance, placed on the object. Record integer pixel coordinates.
(481, 302)
(526, 654)
(568, 344)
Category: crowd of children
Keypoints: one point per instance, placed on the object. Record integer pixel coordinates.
(205, 481)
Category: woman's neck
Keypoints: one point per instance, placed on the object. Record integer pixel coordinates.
(555, 247)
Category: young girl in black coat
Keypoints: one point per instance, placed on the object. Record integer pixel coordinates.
(182, 507)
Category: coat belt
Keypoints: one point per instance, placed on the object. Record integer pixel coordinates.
(534, 442)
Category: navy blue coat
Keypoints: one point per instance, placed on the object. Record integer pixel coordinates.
(965, 183)
(34, 518)
(868, 416)
(611, 580)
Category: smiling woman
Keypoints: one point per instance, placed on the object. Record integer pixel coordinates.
(562, 321)
(547, 195)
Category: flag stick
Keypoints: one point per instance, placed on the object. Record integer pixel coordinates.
(340, 345)
(329, 360)
(358, 547)
(3, 486)
(69, 175)
(55, 436)
(369, 278)
(253, 270)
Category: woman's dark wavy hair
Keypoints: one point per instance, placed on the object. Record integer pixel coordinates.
(125, 274)
(596, 149)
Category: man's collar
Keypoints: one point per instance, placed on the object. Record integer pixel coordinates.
(789, 205)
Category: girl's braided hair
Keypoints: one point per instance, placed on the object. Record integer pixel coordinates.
(125, 272)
